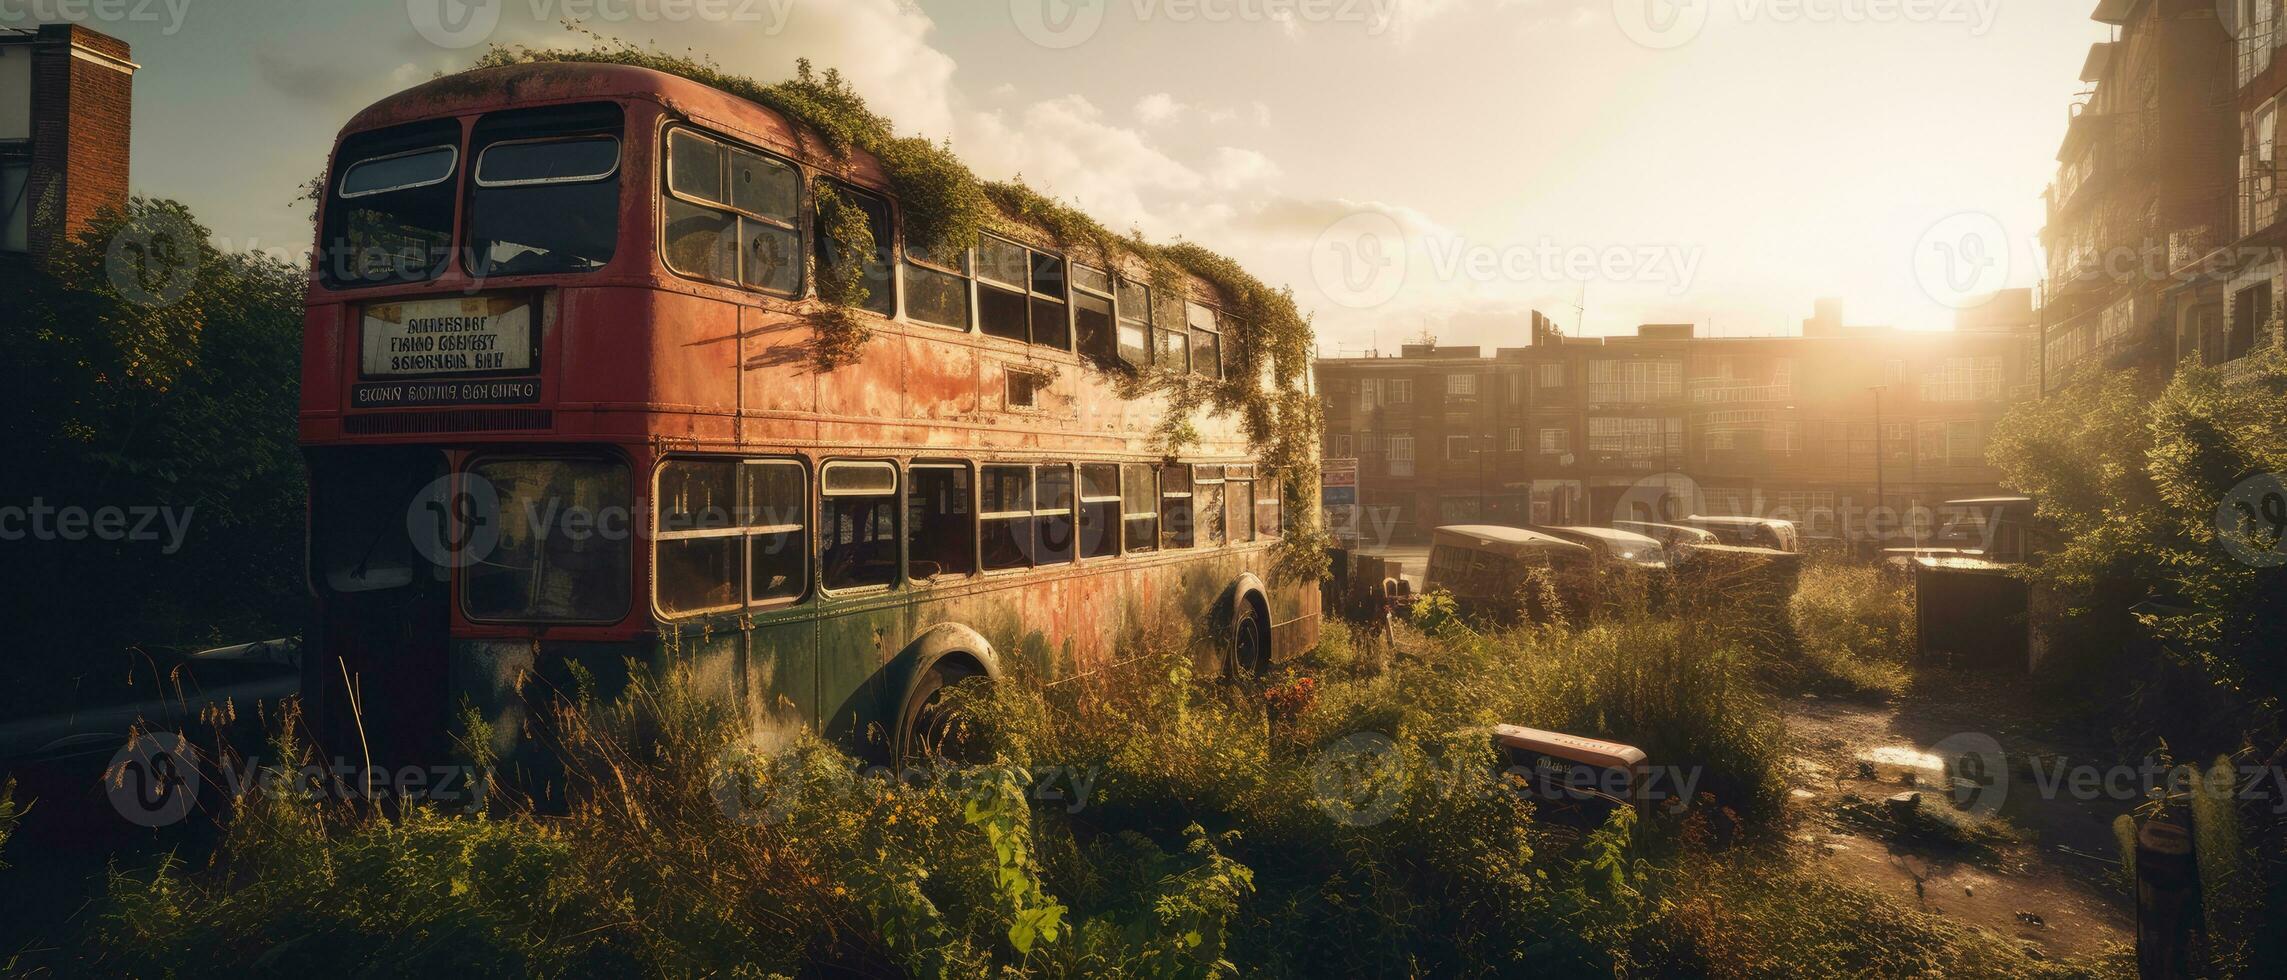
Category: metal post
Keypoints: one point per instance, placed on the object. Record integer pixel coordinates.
(1879, 488)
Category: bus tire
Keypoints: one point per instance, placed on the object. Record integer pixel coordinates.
(1250, 652)
(944, 656)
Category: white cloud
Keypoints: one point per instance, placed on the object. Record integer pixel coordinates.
(1233, 167)
(1158, 108)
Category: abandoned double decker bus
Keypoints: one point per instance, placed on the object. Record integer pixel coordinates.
(560, 407)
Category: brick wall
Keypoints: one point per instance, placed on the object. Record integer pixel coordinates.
(82, 106)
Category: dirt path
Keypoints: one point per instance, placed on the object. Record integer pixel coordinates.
(2013, 862)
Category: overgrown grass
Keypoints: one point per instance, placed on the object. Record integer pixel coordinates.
(1345, 817)
(1854, 631)
(9, 815)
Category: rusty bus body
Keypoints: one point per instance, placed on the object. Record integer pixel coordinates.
(816, 544)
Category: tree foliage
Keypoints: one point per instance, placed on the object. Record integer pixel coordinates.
(143, 369)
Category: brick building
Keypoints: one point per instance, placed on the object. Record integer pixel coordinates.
(66, 99)
(2143, 198)
(1818, 428)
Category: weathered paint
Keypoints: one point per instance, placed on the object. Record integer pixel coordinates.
(640, 363)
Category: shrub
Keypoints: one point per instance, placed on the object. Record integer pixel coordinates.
(1854, 629)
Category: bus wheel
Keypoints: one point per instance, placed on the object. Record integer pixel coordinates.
(933, 725)
(1250, 640)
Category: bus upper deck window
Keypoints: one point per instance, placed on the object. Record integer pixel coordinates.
(546, 194)
(858, 525)
(1135, 324)
(731, 214)
(389, 218)
(873, 264)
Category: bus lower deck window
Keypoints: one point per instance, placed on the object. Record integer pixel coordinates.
(1268, 504)
(1175, 526)
(555, 559)
(857, 516)
(1207, 504)
(1139, 507)
(1099, 510)
(1052, 514)
(775, 512)
(1005, 516)
(941, 536)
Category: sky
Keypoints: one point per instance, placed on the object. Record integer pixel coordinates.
(1408, 167)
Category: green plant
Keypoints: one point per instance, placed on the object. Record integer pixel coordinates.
(9, 815)
(1854, 631)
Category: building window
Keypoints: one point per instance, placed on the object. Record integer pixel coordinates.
(1964, 379)
(1338, 446)
(1401, 455)
(1555, 441)
(1516, 439)
(2250, 314)
(1460, 386)
(1401, 391)
(1634, 381)
(15, 206)
(1551, 376)
(1456, 510)
(1458, 447)
(1954, 442)
(1636, 438)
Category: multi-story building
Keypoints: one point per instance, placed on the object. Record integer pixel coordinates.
(1823, 428)
(2231, 309)
(65, 98)
(2144, 191)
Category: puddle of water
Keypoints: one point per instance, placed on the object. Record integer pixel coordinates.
(1903, 756)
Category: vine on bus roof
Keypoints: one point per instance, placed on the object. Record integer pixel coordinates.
(945, 206)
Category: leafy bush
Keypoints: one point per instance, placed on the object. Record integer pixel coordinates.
(8, 817)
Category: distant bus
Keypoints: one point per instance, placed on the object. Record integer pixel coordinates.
(558, 410)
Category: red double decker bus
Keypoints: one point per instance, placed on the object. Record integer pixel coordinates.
(558, 409)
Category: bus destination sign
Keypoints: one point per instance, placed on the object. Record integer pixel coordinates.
(451, 335)
(489, 391)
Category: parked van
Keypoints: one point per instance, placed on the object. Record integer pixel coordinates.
(1483, 565)
(1676, 538)
(1751, 532)
(1994, 529)
(1613, 547)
